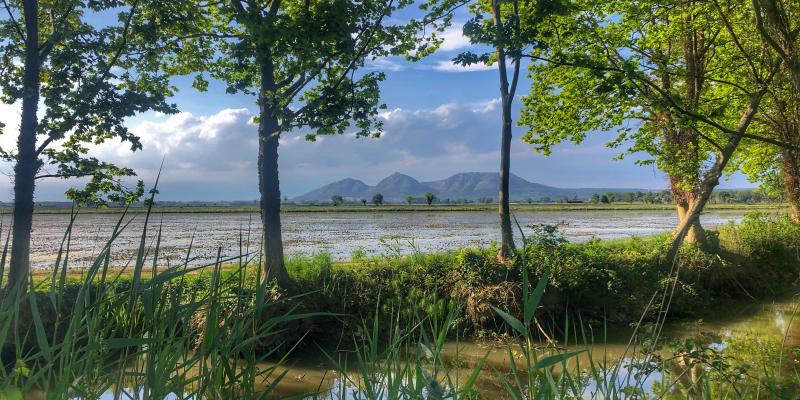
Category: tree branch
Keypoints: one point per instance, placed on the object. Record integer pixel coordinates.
(14, 20)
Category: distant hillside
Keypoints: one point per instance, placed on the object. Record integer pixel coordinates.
(463, 186)
(350, 189)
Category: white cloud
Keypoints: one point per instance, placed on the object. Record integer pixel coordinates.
(213, 157)
(453, 38)
(195, 148)
(10, 117)
(386, 64)
(450, 66)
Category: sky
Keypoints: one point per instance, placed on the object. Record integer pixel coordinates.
(441, 119)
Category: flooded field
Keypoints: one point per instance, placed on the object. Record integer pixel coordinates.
(338, 233)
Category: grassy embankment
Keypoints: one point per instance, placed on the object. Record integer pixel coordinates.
(607, 281)
(181, 329)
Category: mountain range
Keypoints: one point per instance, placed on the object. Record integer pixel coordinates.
(462, 186)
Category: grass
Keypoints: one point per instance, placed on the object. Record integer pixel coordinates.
(290, 208)
(207, 331)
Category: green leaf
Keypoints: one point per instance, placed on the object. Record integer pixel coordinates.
(532, 303)
(549, 361)
(511, 320)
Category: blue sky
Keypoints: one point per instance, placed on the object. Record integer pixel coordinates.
(440, 120)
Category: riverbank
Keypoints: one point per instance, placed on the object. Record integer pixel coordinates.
(295, 208)
(393, 311)
(604, 281)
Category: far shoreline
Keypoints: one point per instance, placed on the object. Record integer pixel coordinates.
(355, 208)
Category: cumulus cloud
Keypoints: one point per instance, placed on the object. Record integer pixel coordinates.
(450, 66)
(193, 147)
(453, 38)
(213, 157)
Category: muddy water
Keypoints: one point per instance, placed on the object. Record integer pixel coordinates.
(779, 321)
(339, 234)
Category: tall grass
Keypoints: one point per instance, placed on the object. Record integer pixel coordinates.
(148, 337)
(147, 331)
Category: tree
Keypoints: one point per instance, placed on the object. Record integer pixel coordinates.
(693, 74)
(595, 198)
(604, 199)
(778, 23)
(777, 167)
(77, 83)
(429, 197)
(509, 28)
(363, 202)
(302, 62)
(377, 199)
(337, 200)
(409, 200)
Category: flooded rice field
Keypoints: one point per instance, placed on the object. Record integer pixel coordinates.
(338, 233)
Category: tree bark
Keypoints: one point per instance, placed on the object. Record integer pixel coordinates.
(696, 233)
(507, 246)
(711, 177)
(772, 21)
(791, 183)
(28, 162)
(682, 142)
(504, 209)
(268, 181)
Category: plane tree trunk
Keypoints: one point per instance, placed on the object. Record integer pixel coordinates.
(683, 202)
(791, 183)
(268, 180)
(711, 177)
(27, 163)
(682, 143)
(507, 91)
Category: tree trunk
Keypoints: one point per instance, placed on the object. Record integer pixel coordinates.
(268, 182)
(507, 234)
(772, 21)
(27, 160)
(711, 177)
(791, 183)
(696, 233)
(681, 142)
(507, 97)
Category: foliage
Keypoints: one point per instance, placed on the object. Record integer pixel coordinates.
(429, 197)
(92, 79)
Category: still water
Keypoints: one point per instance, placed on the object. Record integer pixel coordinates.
(768, 321)
(339, 233)
(308, 374)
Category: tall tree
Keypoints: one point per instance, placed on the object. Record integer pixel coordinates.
(777, 165)
(302, 61)
(510, 28)
(778, 22)
(76, 83)
(692, 73)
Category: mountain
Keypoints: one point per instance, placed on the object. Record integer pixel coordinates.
(471, 185)
(397, 186)
(350, 189)
(462, 186)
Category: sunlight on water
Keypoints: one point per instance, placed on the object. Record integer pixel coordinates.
(339, 234)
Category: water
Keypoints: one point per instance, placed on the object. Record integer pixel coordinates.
(778, 321)
(337, 233)
(309, 374)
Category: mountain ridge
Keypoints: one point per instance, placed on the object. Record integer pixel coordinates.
(461, 186)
